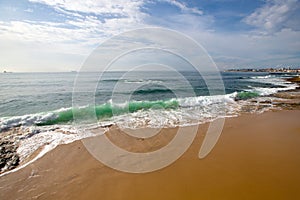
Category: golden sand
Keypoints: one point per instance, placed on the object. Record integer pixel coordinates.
(256, 157)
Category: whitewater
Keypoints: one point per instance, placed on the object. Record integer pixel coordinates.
(41, 128)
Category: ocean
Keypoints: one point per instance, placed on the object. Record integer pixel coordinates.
(48, 108)
(46, 98)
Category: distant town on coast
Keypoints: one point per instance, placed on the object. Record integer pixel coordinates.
(270, 70)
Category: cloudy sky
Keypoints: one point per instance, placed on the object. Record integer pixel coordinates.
(58, 35)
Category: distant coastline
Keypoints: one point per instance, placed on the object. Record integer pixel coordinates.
(269, 70)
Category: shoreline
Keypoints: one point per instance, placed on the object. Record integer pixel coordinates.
(248, 162)
(282, 100)
(285, 105)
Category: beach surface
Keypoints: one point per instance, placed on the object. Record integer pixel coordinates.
(256, 157)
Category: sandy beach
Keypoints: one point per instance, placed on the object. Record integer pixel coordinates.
(256, 157)
(149, 100)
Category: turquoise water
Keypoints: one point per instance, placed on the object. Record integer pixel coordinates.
(49, 97)
(107, 110)
(246, 95)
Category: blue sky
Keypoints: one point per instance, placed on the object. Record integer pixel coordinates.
(58, 35)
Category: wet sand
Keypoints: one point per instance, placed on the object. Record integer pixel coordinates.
(256, 157)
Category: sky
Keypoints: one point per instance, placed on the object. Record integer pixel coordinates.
(58, 35)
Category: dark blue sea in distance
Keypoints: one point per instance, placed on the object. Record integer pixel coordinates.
(30, 93)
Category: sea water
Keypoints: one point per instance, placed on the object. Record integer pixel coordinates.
(46, 98)
(44, 107)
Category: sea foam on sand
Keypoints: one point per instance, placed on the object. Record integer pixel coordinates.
(44, 139)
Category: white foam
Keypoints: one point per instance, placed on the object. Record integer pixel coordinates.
(262, 77)
(25, 120)
(142, 81)
(206, 100)
(46, 139)
(283, 85)
(192, 110)
(269, 91)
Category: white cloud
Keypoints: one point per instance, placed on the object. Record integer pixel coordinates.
(37, 31)
(28, 10)
(184, 8)
(85, 24)
(17, 55)
(79, 32)
(242, 50)
(80, 22)
(127, 8)
(276, 15)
